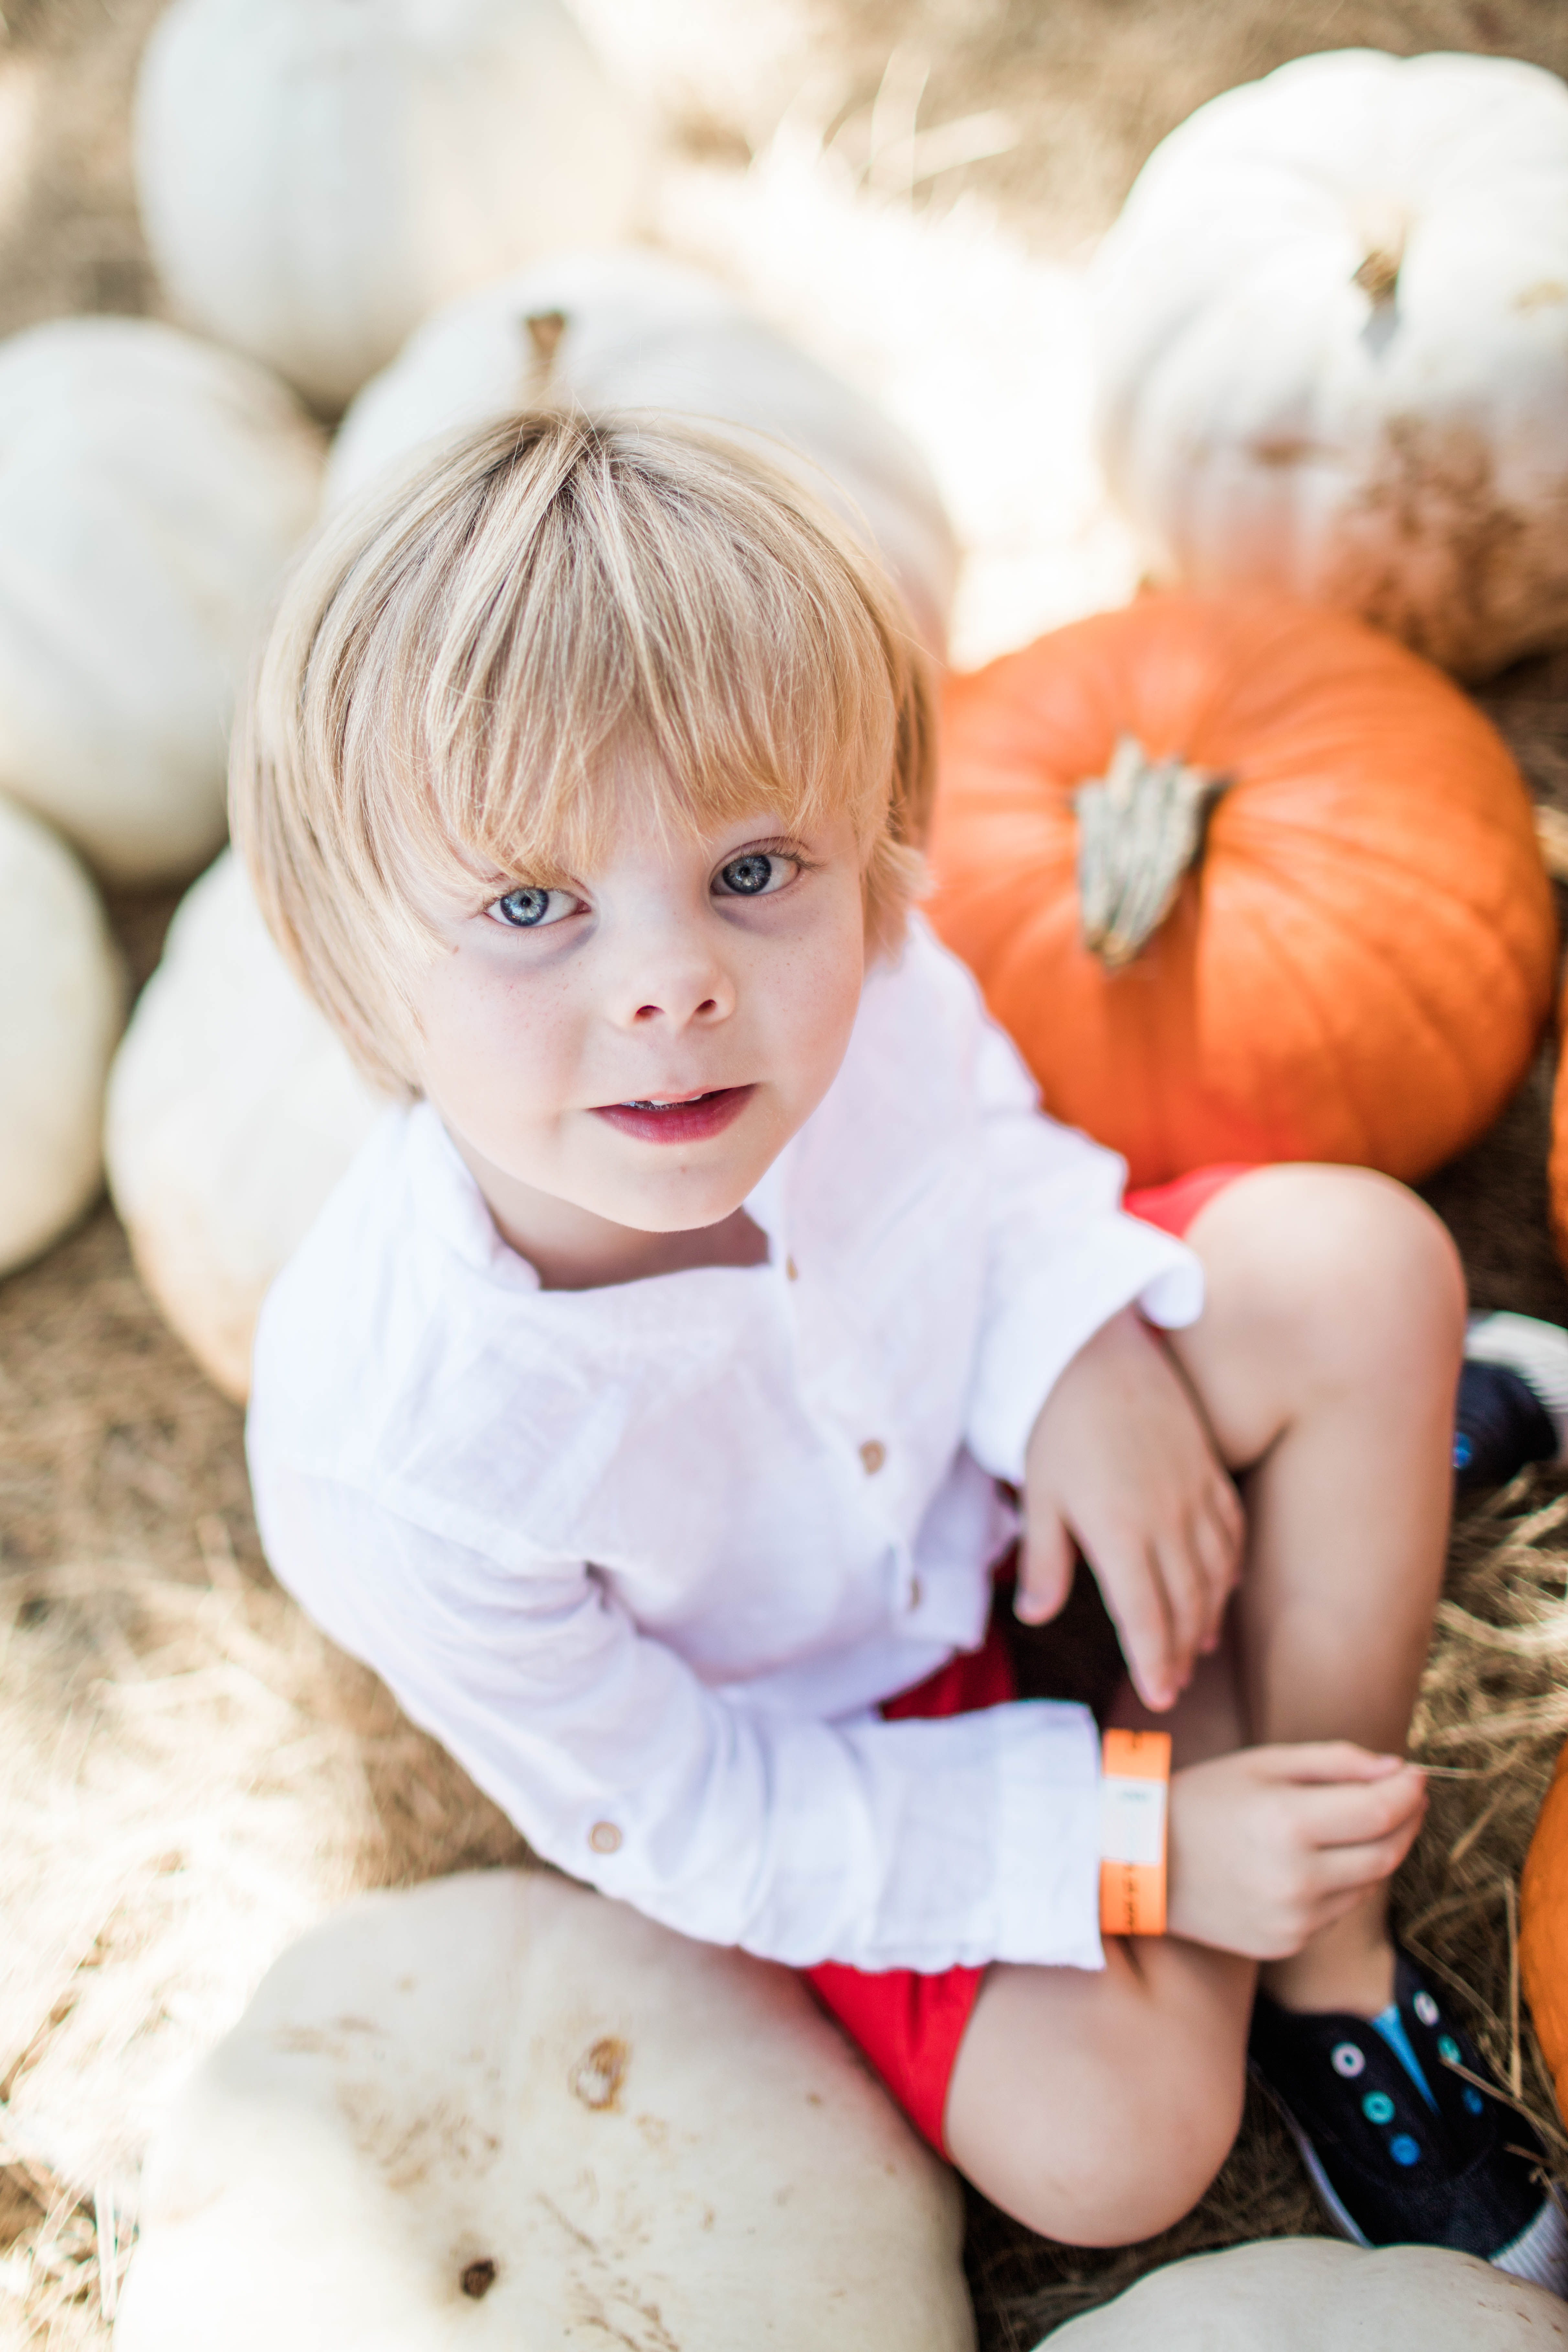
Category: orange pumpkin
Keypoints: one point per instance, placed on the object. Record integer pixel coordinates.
(1557, 1172)
(1543, 1928)
(1355, 962)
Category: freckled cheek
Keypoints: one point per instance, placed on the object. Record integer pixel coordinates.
(499, 1045)
(812, 1005)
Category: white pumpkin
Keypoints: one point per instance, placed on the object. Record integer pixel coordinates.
(233, 1110)
(151, 490)
(501, 2111)
(1319, 2294)
(1333, 347)
(632, 330)
(316, 177)
(61, 1003)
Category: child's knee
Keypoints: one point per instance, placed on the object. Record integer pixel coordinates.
(1114, 2137)
(1392, 1285)
(1355, 1264)
(1148, 2167)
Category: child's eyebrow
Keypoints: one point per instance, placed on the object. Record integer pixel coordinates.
(545, 877)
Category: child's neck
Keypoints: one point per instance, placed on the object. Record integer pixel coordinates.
(570, 1248)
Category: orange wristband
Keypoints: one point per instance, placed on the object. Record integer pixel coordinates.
(1135, 1778)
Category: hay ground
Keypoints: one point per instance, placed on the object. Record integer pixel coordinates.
(187, 1772)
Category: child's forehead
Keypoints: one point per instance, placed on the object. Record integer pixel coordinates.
(628, 829)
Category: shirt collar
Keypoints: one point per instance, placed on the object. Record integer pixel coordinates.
(450, 1201)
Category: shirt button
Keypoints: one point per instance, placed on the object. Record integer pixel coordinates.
(792, 1271)
(605, 1838)
(873, 1454)
(914, 1592)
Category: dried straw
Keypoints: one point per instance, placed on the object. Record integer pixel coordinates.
(190, 1775)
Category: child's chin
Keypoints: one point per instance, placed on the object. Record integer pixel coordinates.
(690, 1215)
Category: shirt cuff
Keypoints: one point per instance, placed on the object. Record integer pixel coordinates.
(1068, 1294)
(1048, 1844)
(988, 1827)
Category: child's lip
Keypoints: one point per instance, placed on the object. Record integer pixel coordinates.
(662, 1100)
(677, 1118)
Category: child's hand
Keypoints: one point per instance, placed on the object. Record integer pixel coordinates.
(1269, 1844)
(1120, 1464)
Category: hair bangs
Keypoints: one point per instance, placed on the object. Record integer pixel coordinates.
(562, 623)
(642, 657)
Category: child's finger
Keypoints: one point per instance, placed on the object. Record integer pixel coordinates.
(1229, 1510)
(1326, 1759)
(1351, 1812)
(1135, 1595)
(1218, 1543)
(1046, 1565)
(1186, 1589)
(1341, 1868)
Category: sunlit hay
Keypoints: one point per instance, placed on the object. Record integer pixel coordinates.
(190, 1775)
(979, 348)
(1492, 1713)
(53, 2293)
(712, 76)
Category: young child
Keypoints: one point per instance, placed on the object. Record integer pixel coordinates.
(648, 1403)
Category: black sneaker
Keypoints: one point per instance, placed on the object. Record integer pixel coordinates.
(1396, 2161)
(1513, 1399)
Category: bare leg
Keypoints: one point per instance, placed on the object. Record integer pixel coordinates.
(1327, 1361)
(1098, 2108)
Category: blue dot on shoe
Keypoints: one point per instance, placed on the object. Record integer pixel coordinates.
(1449, 2049)
(1464, 1451)
(1377, 2107)
(1404, 2149)
(1474, 2100)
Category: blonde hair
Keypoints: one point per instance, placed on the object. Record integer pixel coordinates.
(461, 662)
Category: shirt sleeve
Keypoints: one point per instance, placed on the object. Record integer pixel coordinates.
(920, 1845)
(1062, 1258)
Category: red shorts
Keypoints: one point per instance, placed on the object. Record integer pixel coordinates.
(910, 2025)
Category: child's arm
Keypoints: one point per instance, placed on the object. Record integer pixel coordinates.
(1075, 1400)
(919, 1844)
(1119, 1464)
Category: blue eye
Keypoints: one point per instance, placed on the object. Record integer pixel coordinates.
(529, 910)
(754, 876)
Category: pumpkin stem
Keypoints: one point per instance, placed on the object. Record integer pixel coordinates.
(1379, 275)
(545, 329)
(1385, 227)
(1139, 829)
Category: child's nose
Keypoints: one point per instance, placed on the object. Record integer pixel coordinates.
(707, 1011)
(681, 990)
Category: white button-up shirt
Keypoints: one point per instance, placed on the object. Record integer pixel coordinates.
(645, 1558)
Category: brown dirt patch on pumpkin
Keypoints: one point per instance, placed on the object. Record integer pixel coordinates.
(1435, 488)
(134, 1605)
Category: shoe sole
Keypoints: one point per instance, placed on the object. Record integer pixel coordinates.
(1308, 2155)
(1539, 2254)
(1536, 1351)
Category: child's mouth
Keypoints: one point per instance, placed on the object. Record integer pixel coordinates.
(687, 1121)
